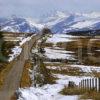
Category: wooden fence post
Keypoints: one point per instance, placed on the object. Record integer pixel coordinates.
(90, 84)
(96, 84)
(99, 84)
(79, 85)
(93, 84)
(83, 84)
(87, 84)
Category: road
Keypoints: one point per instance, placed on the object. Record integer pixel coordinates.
(12, 81)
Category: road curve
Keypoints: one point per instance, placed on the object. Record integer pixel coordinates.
(12, 81)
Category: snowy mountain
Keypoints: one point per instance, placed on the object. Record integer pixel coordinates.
(60, 22)
(65, 23)
(19, 25)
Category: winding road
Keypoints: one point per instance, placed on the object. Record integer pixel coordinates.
(12, 82)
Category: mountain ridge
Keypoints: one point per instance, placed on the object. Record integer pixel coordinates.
(61, 22)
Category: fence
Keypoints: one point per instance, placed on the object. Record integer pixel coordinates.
(90, 84)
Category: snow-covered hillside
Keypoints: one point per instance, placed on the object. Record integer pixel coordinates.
(60, 22)
(19, 25)
(74, 22)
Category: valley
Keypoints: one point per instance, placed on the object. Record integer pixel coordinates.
(49, 49)
(68, 59)
(53, 59)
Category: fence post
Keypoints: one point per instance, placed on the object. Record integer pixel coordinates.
(99, 84)
(90, 85)
(93, 84)
(87, 84)
(83, 84)
(96, 84)
(79, 85)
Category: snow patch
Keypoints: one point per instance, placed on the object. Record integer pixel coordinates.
(58, 54)
(50, 92)
(15, 52)
(87, 68)
(59, 38)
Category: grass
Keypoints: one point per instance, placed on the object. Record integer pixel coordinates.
(48, 44)
(26, 80)
(84, 44)
(6, 48)
(47, 77)
(65, 72)
(90, 95)
(73, 71)
(71, 91)
(14, 97)
(6, 67)
(84, 94)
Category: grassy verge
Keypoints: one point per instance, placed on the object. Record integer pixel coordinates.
(93, 95)
(72, 91)
(83, 93)
(14, 97)
(6, 67)
(26, 80)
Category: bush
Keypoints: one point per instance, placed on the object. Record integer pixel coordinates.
(1, 35)
(6, 48)
(71, 91)
(46, 31)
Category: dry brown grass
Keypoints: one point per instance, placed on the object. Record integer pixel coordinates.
(26, 80)
(72, 72)
(48, 44)
(84, 94)
(55, 64)
(93, 95)
(71, 91)
(14, 97)
(3, 73)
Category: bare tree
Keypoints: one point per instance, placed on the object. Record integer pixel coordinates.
(46, 32)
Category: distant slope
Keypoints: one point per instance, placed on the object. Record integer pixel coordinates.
(75, 22)
(60, 22)
(19, 25)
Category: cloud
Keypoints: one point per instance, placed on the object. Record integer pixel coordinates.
(38, 7)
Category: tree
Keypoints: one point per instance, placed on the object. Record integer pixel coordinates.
(46, 31)
(44, 36)
(41, 75)
(1, 44)
(1, 34)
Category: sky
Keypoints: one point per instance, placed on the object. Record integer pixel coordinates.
(38, 8)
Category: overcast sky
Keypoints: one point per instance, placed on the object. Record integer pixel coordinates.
(36, 8)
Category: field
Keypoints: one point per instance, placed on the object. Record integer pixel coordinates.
(67, 59)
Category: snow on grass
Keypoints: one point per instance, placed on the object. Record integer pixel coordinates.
(23, 40)
(82, 68)
(59, 38)
(64, 79)
(15, 52)
(87, 69)
(50, 92)
(61, 97)
(58, 54)
(46, 92)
